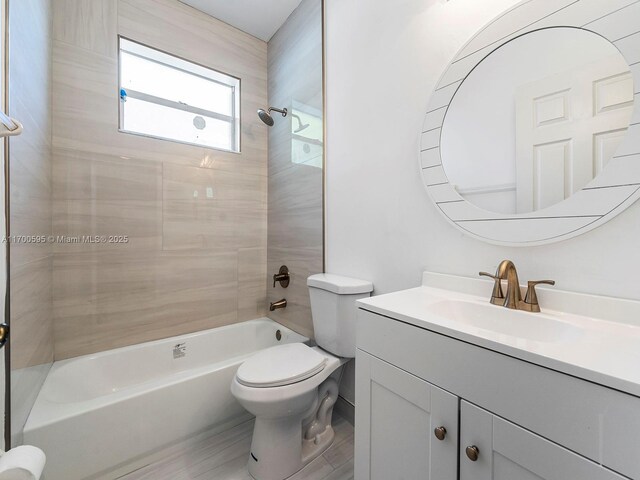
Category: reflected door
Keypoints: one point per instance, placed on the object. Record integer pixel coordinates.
(567, 127)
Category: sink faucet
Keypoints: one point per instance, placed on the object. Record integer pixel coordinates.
(507, 271)
(513, 299)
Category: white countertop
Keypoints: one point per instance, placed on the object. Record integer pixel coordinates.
(587, 336)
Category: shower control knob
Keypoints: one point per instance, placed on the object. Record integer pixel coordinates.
(440, 433)
(472, 453)
(283, 277)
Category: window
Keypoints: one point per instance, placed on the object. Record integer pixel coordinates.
(166, 97)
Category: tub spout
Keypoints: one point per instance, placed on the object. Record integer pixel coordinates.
(279, 304)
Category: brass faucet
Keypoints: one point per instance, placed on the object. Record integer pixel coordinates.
(513, 299)
(273, 306)
(507, 271)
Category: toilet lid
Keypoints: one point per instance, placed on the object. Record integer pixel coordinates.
(281, 365)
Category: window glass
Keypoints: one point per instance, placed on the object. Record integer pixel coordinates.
(170, 98)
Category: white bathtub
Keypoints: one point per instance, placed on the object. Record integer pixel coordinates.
(99, 413)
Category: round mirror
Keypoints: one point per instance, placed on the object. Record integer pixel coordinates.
(532, 134)
(537, 120)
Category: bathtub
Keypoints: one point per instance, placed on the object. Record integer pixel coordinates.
(105, 413)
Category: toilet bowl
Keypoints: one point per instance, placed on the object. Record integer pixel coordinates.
(291, 389)
(293, 416)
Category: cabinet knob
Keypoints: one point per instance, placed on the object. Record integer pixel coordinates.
(472, 453)
(440, 433)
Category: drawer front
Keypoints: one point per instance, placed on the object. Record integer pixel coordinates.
(594, 421)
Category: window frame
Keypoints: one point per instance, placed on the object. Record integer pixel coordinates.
(236, 105)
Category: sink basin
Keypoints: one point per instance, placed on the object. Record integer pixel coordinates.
(537, 327)
(587, 336)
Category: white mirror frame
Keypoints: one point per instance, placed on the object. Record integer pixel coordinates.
(608, 195)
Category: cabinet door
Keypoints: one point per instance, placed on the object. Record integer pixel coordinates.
(508, 452)
(396, 419)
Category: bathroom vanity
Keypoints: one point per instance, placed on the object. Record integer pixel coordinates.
(450, 387)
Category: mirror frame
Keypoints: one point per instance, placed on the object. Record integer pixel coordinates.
(607, 195)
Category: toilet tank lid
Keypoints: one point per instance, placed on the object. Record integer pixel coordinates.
(339, 284)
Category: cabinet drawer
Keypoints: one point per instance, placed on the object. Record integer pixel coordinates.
(594, 421)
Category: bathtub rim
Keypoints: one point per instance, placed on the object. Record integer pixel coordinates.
(46, 412)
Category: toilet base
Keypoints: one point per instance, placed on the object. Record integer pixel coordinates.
(282, 446)
(284, 455)
(312, 449)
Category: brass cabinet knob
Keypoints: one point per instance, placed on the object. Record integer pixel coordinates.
(472, 453)
(440, 433)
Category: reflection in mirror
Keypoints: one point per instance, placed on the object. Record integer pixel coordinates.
(306, 135)
(537, 120)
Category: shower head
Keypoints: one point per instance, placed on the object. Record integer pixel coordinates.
(265, 115)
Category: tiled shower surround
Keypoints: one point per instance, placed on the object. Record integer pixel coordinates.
(193, 261)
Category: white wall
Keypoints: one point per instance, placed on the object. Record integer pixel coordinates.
(383, 60)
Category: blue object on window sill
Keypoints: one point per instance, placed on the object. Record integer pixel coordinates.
(123, 95)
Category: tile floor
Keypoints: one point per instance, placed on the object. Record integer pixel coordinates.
(223, 456)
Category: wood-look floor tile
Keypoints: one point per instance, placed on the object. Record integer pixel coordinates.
(340, 452)
(345, 472)
(223, 456)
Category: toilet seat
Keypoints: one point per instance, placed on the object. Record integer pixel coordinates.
(281, 365)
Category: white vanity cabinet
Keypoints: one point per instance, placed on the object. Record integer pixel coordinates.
(528, 422)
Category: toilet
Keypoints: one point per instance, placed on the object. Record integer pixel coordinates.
(290, 388)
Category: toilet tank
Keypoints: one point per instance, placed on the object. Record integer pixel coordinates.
(334, 311)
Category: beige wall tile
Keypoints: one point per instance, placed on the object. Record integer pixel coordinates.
(139, 221)
(252, 268)
(94, 176)
(196, 184)
(208, 209)
(30, 217)
(89, 24)
(113, 299)
(189, 225)
(190, 258)
(302, 262)
(31, 326)
(184, 31)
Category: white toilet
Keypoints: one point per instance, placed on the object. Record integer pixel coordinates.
(289, 387)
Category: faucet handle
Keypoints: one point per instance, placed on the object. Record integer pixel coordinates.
(531, 298)
(497, 297)
(283, 276)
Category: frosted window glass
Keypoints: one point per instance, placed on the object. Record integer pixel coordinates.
(156, 120)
